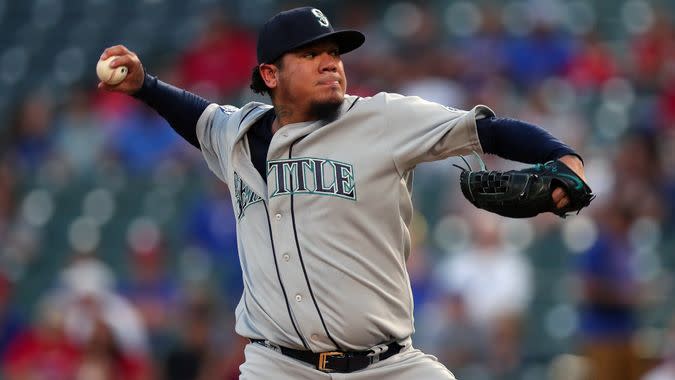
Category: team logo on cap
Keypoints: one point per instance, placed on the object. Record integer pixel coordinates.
(323, 20)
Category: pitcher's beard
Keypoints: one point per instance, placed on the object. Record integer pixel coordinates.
(327, 110)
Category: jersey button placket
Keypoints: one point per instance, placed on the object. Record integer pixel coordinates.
(298, 298)
(277, 216)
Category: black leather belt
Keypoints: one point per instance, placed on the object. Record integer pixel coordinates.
(338, 361)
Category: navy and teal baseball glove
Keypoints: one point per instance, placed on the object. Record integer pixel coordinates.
(527, 192)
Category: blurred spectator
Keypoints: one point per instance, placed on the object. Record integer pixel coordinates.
(422, 36)
(110, 108)
(640, 164)
(419, 44)
(198, 355)
(666, 369)
(610, 295)
(212, 227)
(455, 338)
(652, 52)
(219, 63)
(80, 139)
(43, 351)
(487, 47)
(152, 290)
(421, 81)
(638, 158)
(87, 294)
(360, 64)
(144, 140)
(495, 283)
(103, 358)
(592, 64)
(543, 53)
(498, 92)
(31, 134)
(465, 343)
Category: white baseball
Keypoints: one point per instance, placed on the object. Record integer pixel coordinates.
(109, 75)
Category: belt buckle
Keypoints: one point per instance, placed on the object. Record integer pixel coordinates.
(323, 360)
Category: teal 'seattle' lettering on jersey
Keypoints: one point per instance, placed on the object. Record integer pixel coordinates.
(327, 233)
(312, 176)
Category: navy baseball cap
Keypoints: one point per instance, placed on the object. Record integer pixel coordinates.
(297, 27)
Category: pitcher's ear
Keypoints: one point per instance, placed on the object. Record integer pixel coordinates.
(269, 73)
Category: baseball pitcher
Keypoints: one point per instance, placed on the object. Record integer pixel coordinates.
(321, 188)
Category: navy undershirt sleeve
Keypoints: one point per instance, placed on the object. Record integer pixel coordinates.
(259, 140)
(180, 108)
(519, 141)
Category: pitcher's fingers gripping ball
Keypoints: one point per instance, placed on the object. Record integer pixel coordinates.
(120, 70)
(110, 75)
(527, 192)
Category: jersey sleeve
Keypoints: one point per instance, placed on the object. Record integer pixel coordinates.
(212, 137)
(423, 131)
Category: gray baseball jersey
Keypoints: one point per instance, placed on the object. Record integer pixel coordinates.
(323, 242)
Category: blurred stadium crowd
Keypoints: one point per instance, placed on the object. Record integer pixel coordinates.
(117, 246)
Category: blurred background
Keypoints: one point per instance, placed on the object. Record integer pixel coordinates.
(118, 249)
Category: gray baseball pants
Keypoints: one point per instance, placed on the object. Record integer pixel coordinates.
(264, 363)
